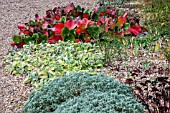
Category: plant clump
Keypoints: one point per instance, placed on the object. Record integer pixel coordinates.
(83, 93)
(76, 24)
(45, 62)
(157, 15)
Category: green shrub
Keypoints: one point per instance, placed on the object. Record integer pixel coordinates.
(45, 62)
(83, 93)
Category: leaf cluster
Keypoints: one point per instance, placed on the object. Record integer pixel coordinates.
(76, 24)
(45, 62)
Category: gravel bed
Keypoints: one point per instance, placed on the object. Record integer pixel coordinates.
(13, 93)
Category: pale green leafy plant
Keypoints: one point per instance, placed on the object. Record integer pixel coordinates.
(44, 62)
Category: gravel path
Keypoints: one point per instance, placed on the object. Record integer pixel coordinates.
(13, 93)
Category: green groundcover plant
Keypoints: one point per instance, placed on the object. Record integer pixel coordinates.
(157, 15)
(83, 93)
(45, 62)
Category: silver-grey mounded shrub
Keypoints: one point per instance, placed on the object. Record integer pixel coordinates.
(83, 93)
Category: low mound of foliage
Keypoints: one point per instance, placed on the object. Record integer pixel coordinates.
(83, 93)
(45, 62)
(76, 24)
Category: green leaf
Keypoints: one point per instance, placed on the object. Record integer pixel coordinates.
(22, 36)
(72, 38)
(126, 26)
(40, 34)
(72, 32)
(28, 39)
(63, 19)
(43, 73)
(81, 37)
(136, 48)
(30, 68)
(27, 80)
(35, 37)
(32, 23)
(94, 31)
(95, 16)
(78, 8)
(87, 11)
(44, 38)
(50, 26)
(61, 62)
(65, 32)
(17, 39)
(69, 38)
(63, 13)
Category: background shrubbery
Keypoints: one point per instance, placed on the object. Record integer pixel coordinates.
(157, 15)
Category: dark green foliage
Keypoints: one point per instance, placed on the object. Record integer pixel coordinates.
(94, 31)
(83, 93)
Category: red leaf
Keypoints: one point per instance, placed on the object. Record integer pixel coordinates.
(26, 32)
(20, 45)
(102, 13)
(129, 81)
(95, 9)
(58, 28)
(87, 39)
(45, 25)
(77, 14)
(144, 29)
(85, 16)
(78, 30)
(136, 29)
(114, 13)
(91, 23)
(98, 23)
(109, 11)
(83, 23)
(13, 44)
(121, 21)
(57, 17)
(135, 32)
(122, 32)
(108, 23)
(70, 24)
(69, 8)
(101, 19)
(125, 15)
(54, 39)
(45, 33)
(22, 26)
(77, 40)
(48, 13)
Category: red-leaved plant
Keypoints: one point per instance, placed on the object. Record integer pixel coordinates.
(75, 24)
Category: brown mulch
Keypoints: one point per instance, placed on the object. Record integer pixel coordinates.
(13, 93)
